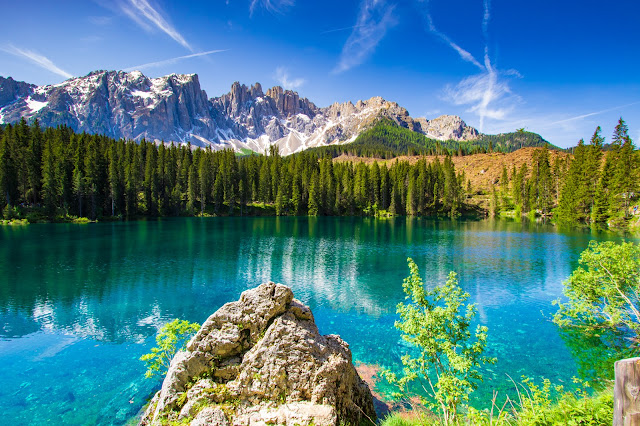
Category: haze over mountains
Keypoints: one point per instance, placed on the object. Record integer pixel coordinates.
(174, 108)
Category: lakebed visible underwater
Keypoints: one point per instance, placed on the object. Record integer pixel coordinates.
(79, 304)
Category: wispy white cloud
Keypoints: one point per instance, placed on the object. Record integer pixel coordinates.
(374, 19)
(485, 20)
(464, 54)
(148, 17)
(282, 76)
(172, 60)
(590, 114)
(487, 94)
(481, 93)
(335, 30)
(37, 59)
(274, 6)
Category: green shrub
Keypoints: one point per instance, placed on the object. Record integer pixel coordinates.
(438, 323)
(171, 338)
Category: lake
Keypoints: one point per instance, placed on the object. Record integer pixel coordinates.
(79, 304)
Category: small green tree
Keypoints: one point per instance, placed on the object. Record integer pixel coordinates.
(604, 292)
(438, 324)
(171, 338)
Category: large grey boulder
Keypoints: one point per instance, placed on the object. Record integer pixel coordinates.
(258, 361)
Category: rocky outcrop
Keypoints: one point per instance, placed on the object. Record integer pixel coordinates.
(448, 127)
(259, 361)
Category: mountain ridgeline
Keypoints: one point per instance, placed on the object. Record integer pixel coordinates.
(387, 139)
(174, 108)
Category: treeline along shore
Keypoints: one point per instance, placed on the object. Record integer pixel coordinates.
(56, 174)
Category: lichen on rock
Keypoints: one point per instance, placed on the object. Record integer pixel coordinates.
(261, 360)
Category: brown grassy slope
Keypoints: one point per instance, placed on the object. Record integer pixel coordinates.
(481, 169)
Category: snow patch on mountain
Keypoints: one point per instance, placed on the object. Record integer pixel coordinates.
(34, 105)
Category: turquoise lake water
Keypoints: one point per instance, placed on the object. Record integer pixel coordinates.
(79, 304)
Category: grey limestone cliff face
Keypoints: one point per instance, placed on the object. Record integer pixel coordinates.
(11, 90)
(262, 361)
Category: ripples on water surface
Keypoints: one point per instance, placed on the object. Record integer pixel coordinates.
(79, 304)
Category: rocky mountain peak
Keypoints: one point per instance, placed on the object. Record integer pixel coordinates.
(174, 108)
(289, 103)
(449, 127)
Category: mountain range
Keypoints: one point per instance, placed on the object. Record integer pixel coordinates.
(174, 108)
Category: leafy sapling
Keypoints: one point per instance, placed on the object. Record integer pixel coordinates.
(604, 292)
(171, 338)
(437, 323)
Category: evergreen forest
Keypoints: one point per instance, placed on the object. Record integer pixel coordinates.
(595, 187)
(57, 174)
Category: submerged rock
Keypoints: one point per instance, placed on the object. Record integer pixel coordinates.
(259, 361)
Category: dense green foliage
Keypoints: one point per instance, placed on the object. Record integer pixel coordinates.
(604, 292)
(387, 139)
(438, 323)
(597, 192)
(580, 190)
(531, 189)
(603, 303)
(534, 405)
(601, 317)
(171, 338)
(506, 142)
(58, 172)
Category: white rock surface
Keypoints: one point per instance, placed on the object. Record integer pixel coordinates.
(258, 361)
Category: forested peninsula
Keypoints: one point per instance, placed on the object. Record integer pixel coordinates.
(55, 174)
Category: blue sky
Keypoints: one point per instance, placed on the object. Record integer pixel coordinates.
(558, 68)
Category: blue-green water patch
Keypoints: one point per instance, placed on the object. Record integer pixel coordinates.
(79, 304)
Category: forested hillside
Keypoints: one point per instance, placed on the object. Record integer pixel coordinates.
(57, 173)
(386, 139)
(593, 187)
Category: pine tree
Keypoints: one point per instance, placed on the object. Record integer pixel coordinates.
(79, 176)
(542, 184)
(296, 199)
(151, 181)
(204, 173)
(314, 196)
(592, 168)
(218, 191)
(192, 188)
(50, 181)
(34, 161)
(8, 177)
(451, 188)
(504, 187)
(574, 203)
(494, 204)
(625, 176)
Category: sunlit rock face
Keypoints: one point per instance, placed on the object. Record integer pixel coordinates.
(174, 108)
(262, 360)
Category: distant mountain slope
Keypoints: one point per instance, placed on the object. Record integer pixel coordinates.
(483, 170)
(387, 139)
(174, 108)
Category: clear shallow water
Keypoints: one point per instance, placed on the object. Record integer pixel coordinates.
(79, 304)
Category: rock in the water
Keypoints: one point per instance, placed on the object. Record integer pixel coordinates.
(259, 361)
